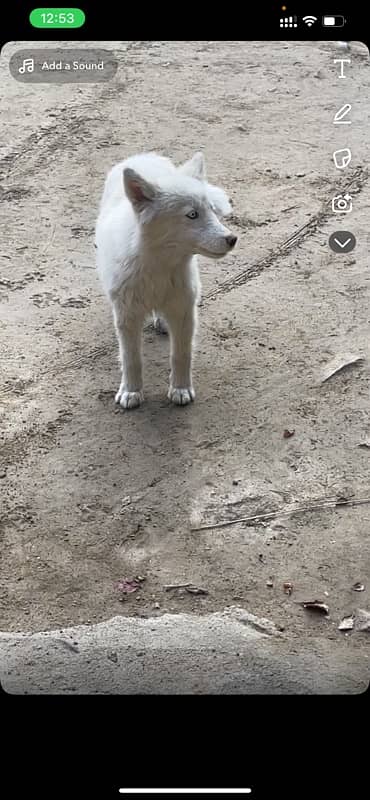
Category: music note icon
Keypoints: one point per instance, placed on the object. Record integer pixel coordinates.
(28, 64)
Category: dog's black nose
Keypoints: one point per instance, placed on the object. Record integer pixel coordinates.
(231, 240)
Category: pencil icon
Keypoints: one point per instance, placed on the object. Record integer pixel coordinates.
(338, 119)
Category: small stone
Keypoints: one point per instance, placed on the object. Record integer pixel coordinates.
(112, 657)
(347, 623)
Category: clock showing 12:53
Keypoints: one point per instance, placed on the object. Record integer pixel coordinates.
(57, 18)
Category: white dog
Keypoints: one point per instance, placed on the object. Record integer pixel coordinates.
(154, 219)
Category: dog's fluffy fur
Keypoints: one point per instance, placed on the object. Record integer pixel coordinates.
(154, 219)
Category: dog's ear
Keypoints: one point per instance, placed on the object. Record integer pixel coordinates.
(138, 190)
(195, 167)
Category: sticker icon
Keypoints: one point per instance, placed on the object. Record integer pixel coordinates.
(342, 158)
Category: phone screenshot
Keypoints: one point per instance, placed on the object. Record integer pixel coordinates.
(184, 339)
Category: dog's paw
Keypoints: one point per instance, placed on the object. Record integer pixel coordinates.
(129, 399)
(181, 397)
(159, 325)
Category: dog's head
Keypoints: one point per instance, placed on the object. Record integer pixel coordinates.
(183, 209)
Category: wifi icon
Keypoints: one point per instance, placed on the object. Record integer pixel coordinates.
(309, 20)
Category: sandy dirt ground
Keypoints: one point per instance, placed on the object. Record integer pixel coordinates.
(91, 495)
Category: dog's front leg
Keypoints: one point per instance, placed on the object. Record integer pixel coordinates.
(181, 319)
(129, 330)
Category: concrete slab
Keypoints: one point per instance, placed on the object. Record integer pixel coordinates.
(232, 652)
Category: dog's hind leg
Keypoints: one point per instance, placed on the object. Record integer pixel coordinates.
(181, 320)
(129, 330)
(159, 324)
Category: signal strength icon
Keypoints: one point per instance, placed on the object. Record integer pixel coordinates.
(288, 22)
(309, 20)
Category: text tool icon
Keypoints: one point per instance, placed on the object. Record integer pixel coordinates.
(28, 64)
(342, 158)
(342, 241)
(339, 117)
(342, 61)
(342, 204)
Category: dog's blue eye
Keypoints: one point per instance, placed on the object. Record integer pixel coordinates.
(192, 214)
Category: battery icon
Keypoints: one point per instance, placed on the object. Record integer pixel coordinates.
(333, 21)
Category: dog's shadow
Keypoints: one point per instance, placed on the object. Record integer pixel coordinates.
(168, 431)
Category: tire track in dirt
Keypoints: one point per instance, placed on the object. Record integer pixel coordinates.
(48, 139)
(355, 185)
(74, 362)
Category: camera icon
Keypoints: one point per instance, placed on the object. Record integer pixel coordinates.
(342, 204)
